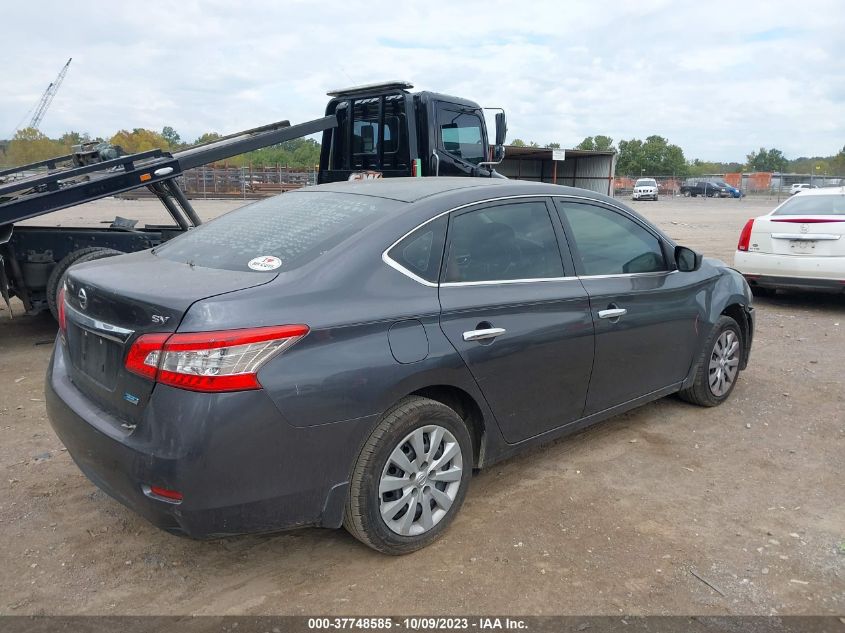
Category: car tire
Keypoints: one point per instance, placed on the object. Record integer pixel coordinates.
(57, 275)
(725, 333)
(376, 489)
(760, 291)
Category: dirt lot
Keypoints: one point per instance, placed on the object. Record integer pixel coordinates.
(633, 516)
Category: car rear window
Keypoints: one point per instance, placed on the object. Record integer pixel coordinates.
(813, 205)
(278, 233)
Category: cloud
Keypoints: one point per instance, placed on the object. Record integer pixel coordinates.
(719, 79)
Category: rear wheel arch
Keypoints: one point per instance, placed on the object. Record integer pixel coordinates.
(467, 408)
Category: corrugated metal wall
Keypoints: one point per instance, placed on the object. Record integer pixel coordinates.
(593, 172)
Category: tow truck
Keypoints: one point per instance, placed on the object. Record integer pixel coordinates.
(373, 131)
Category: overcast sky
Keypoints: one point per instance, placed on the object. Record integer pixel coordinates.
(717, 78)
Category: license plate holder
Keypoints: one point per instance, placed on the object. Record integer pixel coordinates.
(95, 356)
(802, 246)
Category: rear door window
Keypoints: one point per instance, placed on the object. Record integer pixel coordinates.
(503, 242)
(278, 233)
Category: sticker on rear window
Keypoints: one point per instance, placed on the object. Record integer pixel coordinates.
(265, 262)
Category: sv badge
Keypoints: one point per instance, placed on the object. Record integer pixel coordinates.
(160, 320)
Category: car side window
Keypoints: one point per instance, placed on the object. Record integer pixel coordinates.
(609, 243)
(503, 242)
(421, 251)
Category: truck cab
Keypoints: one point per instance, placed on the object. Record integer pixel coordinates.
(384, 131)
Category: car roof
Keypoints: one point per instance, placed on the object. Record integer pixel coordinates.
(824, 191)
(414, 189)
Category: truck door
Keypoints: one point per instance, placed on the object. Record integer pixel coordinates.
(460, 140)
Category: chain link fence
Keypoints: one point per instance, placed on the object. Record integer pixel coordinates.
(765, 185)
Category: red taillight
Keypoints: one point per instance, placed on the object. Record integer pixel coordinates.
(60, 308)
(144, 355)
(745, 236)
(210, 361)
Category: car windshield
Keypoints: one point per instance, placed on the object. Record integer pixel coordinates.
(278, 233)
(808, 204)
(646, 182)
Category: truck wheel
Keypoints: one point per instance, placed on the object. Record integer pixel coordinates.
(718, 365)
(57, 276)
(410, 478)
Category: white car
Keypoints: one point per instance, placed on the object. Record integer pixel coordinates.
(799, 187)
(800, 245)
(645, 189)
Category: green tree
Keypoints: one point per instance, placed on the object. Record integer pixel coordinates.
(69, 139)
(171, 136)
(588, 144)
(837, 164)
(30, 146)
(299, 154)
(767, 160)
(139, 140)
(704, 167)
(518, 142)
(207, 137)
(599, 143)
(553, 145)
(653, 157)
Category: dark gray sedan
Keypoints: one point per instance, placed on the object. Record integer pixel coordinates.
(347, 354)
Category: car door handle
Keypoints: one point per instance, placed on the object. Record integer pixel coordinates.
(483, 335)
(612, 313)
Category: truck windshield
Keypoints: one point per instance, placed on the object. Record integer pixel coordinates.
(278, 233)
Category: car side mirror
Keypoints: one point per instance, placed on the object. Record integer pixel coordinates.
(687, 260)
(501, 128)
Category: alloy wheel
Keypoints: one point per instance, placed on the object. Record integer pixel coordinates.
(420, 480)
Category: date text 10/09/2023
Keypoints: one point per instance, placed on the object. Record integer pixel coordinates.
(417, 623)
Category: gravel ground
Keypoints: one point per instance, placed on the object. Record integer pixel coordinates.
(669, 509)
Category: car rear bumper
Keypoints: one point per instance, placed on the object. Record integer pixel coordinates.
(795, 283)
(240, 467)
(792, 271)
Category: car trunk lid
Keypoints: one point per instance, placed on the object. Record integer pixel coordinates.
(110, 303)
(799, 235)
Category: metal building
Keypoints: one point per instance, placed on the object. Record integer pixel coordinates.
(586, 169)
